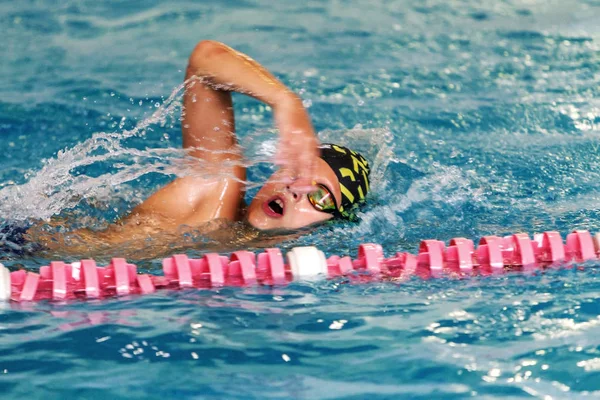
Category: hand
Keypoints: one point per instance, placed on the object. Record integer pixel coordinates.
(298, 148)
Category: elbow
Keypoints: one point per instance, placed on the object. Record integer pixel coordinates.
(204, 51)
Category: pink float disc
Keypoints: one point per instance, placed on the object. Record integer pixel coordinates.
(224, 264)
(45, 272)
(523, 250)
(89, 274)
(121, 272)
(145, 284)
(464, 254)
(333, 269)
(552, 249)
(345, 265)
(183, 270)
(581, 246)
(17, 278)
(215, 268)
(491, 254)
(59, 280)
(372, 254)
(435, 251)
(169, 268)
(410, 264)
(276, 266)
(30, 286)
(246, 267)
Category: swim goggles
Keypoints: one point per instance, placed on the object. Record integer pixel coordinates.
(323, 200)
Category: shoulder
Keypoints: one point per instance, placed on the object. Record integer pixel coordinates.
(194, 201)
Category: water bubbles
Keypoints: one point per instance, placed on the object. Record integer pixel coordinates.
(309, 73)
(156, 105)
(337, 325)
(307, 103)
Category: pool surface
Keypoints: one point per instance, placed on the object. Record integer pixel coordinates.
(479, 117)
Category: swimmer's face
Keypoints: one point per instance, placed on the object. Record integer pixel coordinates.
(277, 206)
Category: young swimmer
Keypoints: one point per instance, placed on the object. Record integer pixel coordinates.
(315, 183)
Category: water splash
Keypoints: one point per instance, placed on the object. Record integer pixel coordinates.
(68, 179)
(57, 186)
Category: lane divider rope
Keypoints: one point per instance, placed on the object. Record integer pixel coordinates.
(493, 255)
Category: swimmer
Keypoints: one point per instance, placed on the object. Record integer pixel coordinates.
(315, 183)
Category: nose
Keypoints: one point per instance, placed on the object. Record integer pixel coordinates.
(295, 195)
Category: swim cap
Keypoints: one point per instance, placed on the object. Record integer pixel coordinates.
(352, 171)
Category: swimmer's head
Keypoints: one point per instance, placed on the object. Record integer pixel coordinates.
(352, 172)
(342, 179)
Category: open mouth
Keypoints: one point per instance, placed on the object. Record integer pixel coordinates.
(274, 207)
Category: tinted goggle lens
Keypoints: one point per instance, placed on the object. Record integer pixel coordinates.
(322, 199)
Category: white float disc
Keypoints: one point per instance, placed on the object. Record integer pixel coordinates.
(307, 262)
(4, 283)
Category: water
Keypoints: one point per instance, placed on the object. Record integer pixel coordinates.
(480, 117)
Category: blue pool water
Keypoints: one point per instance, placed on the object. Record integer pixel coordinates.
(480, 118)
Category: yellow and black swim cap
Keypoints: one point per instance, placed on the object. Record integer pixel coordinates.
(352, 171)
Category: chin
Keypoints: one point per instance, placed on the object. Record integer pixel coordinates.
(260, 225)
(264, 223)
(258, 220)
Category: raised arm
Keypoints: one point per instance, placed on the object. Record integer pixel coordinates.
(208, 123)
(208, 127)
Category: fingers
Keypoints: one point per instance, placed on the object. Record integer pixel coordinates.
(303, 180)
(306, 167)
(297, 153)
(297, 184)
(298, 172)
(300, 166)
